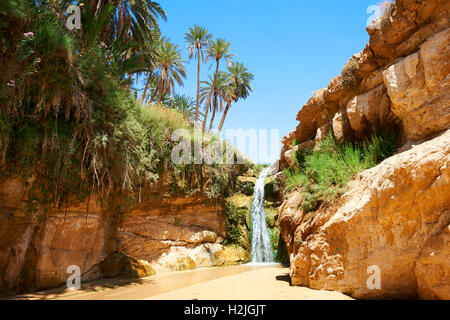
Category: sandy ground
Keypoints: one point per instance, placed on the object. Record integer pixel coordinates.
(243, 282)
(271, 283)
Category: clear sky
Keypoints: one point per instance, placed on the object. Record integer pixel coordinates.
(293, 47)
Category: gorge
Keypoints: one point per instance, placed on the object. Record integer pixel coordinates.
(362, 183)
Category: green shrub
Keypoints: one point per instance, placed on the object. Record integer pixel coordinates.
(324, 174)
(349, 73)
(235, 217)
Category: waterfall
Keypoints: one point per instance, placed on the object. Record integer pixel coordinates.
(261, 246)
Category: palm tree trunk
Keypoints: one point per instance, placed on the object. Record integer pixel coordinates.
(154, 95)
(208, 102)
(198, 87)
(120, 20)
(214, 112)
(155, 92)
(145, 89)
(224, 116)
(205, 117)
(162, 90)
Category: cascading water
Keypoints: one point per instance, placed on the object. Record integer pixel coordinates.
(261, 246)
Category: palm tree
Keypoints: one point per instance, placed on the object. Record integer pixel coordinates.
(149, 83)
(239, 81)
(169, 67)
(132, 25)
(184, 104)
(197, 40)
(133, 20)
(221, 92)
(218, 50)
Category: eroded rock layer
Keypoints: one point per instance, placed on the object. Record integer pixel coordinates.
(162, 232)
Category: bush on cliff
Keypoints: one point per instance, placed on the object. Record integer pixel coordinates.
(325, 173)
(235, 218)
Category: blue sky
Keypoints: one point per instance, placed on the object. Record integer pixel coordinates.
(293, 47)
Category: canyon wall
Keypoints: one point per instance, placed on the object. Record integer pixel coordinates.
(394, 216)
(161, 232)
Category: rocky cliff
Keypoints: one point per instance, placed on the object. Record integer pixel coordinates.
(394, 216)
(160, 232)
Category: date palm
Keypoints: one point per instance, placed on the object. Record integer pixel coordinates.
(136, 19)
(197, 40)
(221, 92)
(239, 81)
(218, 50)
(128, 24)
(151, 82)
(132, 25)
(184, 104)
(169, 68)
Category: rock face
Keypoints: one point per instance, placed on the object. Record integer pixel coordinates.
(154, 226)
(37, 247)
(433, 267)
(369, 110)
(389, 219)
(419, 85)
(401, 81)
(394, 218)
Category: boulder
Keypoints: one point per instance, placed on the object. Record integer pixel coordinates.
(369, 110)
(433, 267)
(232, 255)
(246, 185)
(418, 87)
(240, 201)
(341, 127)
(323, 132)
(121, 265)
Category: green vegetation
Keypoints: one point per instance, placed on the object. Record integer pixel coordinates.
(239, 83)
(183, 104)
(235, 218)
(325, 173)
(218, 50)
(197, 40)
(220, 91)
(70, 120)
(169, 68)
(349, 73)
